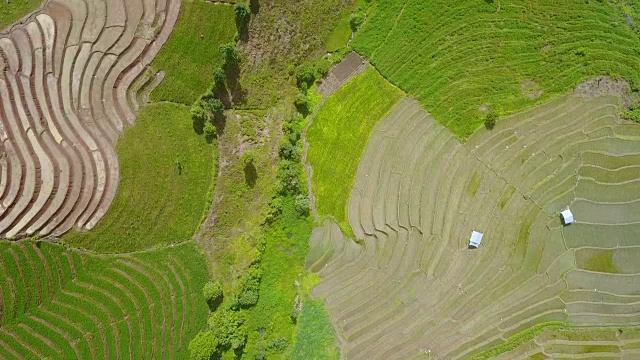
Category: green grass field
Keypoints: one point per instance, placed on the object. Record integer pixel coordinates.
(338, 137)
(59, 303)
(189, 60)
(456, 57)
(340, 35)
(13, 11)
(157, 202)
(316, 338)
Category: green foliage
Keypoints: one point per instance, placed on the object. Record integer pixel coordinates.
(215, 106)
(230, 54)
(229, 328)
(482, 53)
(356, 19)
(210, 131)
(203, 346)
(219, 79)
(198, 114)
(302, 104)
(248, 157)
(167, 174)
(302, 204)
(249, 287)
(212, 291)
(632, 113)
(491, 119)
(289, 151)
(94, 297)
(289, 177)
(201, 29)
(339, 135)
(243, 15)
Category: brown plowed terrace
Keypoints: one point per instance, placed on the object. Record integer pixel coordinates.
(65, 72)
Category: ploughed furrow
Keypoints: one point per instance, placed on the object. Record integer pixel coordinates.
(64, 75)
(414, 286)
(142, 306)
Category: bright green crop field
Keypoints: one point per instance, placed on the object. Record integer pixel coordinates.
(455, 57)
(339, 135)
(167, 174)
(191, 55)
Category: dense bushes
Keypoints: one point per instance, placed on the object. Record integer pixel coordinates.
(490, 120)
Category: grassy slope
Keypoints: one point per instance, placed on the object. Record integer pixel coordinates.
(155, 203)
(340, 35)
(283, 34)
(482, 52)
(55, 292)
(316, 338)
(339, 135)
(16, 10)
(188, 60)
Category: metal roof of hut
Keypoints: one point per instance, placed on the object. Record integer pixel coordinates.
(476, 238)
(567, 217)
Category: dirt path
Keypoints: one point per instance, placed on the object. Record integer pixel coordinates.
(352, 65)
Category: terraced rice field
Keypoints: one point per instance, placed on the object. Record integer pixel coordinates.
(65, 77)
(58, 303)
(414, 288)
(457, 56)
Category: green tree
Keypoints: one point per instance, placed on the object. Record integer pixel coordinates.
(491, 119)
(212, 290)
(230, 54)
(203, 346)
(198, 114)
(229, 328)
(219, 78)
(355, 20)
(215, 106)
(242, 16)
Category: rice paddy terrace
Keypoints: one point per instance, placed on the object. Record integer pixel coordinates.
(414, 288)
(58, 303)
(66, 72)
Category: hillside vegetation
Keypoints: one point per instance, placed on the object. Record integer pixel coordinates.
(166, 183)
(59, 303)
(458, 57)
(12, 11)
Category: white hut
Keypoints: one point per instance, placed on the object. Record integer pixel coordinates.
(567, 217)
(476, 238)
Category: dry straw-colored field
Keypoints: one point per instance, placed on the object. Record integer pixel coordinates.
(414, 288)
(64, 101)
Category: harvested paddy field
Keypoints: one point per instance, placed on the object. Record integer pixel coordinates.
(415, 287)
(64, 101)
(456, 57)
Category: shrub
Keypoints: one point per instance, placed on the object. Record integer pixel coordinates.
(249, 157)
(302, 204)
(633, 113)
(212, 291)
(491, 120)
(306, 74)
(229, 328)
(249, 287)
(203, 346)
(242, 16)
(289, 151)
(210, 131)
(289, 177)
(230, 54)
(355, 20)
(215, 106)
(198, 114)
(302, 104)
(219, 78)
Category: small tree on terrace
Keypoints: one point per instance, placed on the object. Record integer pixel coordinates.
(215, 106)
(230, 54)
(203, 346)
(242, 17)
(219, 78)
(491, 120)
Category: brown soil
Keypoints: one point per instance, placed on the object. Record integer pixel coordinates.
(604, 85)
(529, 88)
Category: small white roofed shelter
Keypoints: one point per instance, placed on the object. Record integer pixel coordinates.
(567, 217)
(476, 238)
